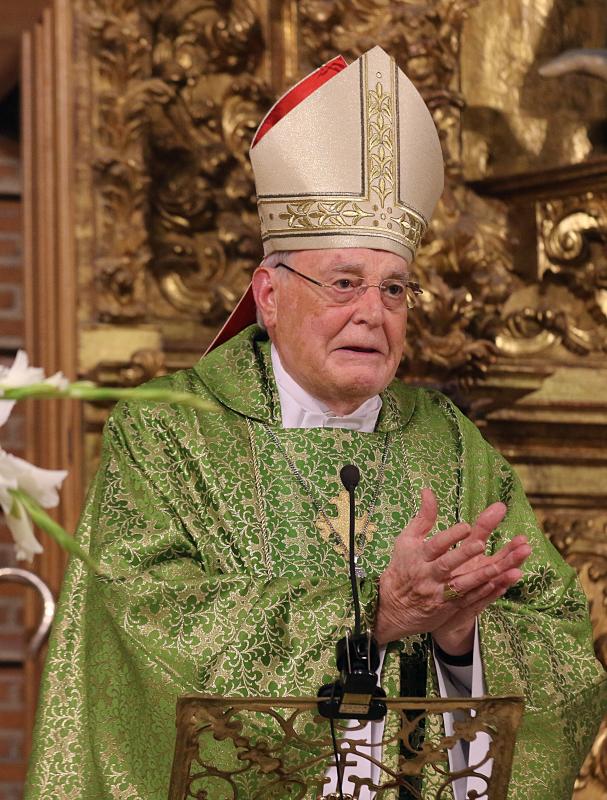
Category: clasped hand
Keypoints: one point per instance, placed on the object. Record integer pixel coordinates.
(412, 587)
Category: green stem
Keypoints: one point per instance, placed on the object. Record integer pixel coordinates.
(56, 531)
(84, 390)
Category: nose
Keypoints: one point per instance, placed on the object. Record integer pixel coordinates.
(369, 308)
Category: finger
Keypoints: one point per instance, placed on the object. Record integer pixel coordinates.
(442, 542)
(504, 553)
(510, 545)
(425, 519)
(512, 556)
(488, 520)
(444, 567)
(470, 599)
(478, 600)
(491, 572)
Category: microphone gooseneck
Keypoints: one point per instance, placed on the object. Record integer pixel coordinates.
(355, 694)
(350, 476)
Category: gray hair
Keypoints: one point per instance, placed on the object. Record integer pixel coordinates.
(274, 259)
(270, 261)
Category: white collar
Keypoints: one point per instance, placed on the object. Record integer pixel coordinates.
(300, 409)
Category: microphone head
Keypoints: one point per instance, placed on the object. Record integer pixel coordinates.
(350, 476)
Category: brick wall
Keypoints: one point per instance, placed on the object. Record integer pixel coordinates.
(12, 635)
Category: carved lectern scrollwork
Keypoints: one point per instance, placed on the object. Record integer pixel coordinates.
(259, 748)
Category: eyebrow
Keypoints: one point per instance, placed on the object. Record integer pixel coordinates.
(357, 269)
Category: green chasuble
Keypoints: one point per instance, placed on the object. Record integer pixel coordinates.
(223, 578)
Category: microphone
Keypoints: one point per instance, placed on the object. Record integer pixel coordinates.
(350, 477)
(355, 694)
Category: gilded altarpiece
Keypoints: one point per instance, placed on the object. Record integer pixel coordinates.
(164, 96)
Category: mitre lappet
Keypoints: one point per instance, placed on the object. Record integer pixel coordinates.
(348, 157)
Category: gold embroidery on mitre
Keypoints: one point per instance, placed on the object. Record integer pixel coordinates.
(341, 524)
(378, 209)
(380, 142)
(309, 214)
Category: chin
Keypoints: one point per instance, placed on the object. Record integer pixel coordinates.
(361, 389)
(366, 380)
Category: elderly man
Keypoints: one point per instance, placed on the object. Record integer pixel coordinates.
(223, 535)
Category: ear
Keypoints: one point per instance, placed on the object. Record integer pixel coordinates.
(265, 295)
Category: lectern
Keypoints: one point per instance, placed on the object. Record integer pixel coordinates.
(263, 748)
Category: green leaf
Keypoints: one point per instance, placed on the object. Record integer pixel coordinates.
(53, 528)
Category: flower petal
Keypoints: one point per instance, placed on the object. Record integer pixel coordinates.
(59, 380)
(22, 530)
(41, 484)
(6, 406)
(20, 373)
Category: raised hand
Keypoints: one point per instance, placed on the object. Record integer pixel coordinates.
(430, 586)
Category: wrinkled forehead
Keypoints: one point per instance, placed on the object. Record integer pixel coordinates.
(359, 260)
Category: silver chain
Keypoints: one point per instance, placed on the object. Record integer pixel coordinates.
(320, 510)
(265, 548)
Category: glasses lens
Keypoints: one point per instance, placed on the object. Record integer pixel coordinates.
(413, 291)
(394, 293)
(344, 290)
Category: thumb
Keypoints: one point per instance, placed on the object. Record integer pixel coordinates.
(425, 519)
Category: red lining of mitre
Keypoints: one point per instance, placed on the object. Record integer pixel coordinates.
(245, 312)
(243, 315)
(299, 92)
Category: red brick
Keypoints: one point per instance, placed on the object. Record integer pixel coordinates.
(11, 609)
(11, 791)
(10, 299)
(9, 148)
(12, 434)
(7, 550)
(12, 691)
(10, 245)
(10, 208)
(11, 327)
(11, 747)
(10, 216)
(10, 174)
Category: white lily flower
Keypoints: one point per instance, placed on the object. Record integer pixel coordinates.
(58, 380)
(22, 530)
(21, 374)
(6, 406)
(41, 484)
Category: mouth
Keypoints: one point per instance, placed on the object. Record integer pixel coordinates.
(356, 349)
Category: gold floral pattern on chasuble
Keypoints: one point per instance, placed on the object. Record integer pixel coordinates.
(197, 600)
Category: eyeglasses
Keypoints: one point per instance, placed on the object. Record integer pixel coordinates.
(395, 293)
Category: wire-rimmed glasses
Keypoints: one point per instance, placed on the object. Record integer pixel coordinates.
(394, 292)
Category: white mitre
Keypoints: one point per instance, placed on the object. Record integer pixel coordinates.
(356, 163)
(348, 157)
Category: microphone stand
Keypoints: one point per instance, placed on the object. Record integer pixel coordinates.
(355, 694)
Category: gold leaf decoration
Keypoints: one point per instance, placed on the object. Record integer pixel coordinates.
(567, 307)
(204, 225)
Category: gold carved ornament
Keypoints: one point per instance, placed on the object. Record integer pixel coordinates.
(174, 171)
(204, 227)
(582, 541)
(178, 97)
(282, 747)
(568, 306)
(119, 66)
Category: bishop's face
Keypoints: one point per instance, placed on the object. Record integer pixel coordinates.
(342, 354)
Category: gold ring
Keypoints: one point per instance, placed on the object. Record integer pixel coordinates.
(450, 593)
